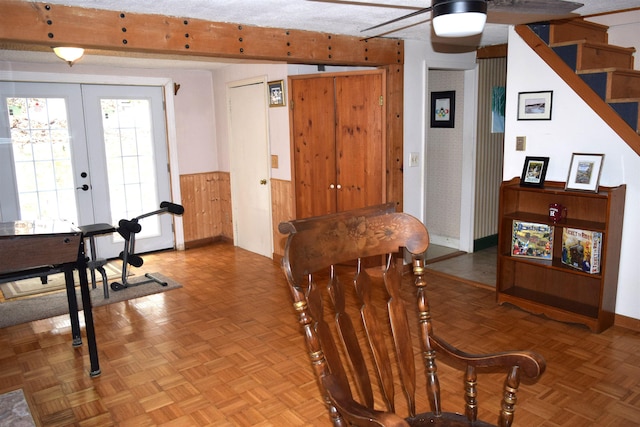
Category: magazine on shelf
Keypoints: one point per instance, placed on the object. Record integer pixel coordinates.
(532, 240)
(582, 249)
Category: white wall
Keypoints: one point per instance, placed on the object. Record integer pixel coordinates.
(574, 128)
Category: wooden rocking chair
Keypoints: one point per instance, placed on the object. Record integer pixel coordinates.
(357, 330)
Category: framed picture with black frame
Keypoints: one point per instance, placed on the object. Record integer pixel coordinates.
(535, 105)
(443, 109)
(534, 171)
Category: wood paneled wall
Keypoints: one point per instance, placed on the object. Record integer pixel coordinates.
(206, 198)
(282, 203)
(207, 218)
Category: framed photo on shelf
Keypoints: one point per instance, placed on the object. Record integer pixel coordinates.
(535, 105)
(443, 109)
(584, 172)
(276, 93)
(534, 171)
(532, 240)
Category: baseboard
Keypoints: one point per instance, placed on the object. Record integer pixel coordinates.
(485, 243)
(205, 242)
(627, 322)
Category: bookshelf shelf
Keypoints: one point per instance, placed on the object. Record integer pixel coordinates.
(551, 287)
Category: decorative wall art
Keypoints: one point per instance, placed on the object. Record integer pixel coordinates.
(584, 172)
(534, 171)
(443, 109)
(276, 94)
(498, 102)
(535, 105)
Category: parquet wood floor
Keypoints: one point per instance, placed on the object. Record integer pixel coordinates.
(225, 350)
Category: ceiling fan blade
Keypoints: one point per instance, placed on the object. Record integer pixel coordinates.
(543, 7)
(410, 15)
(369, 4)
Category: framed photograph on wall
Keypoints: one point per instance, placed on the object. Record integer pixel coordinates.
(535, 105)
(276, 94)
(534, 171)
(584, 172)
(443, 109)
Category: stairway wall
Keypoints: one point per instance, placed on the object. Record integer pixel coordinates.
(573, 128)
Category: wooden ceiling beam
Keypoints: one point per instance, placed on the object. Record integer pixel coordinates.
(56, 25)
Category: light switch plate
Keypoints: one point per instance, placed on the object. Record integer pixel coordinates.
(521, 143)
(414, 160)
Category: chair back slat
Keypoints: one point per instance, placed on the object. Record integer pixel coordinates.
(349, 340)
(401, 334)
(375, 337)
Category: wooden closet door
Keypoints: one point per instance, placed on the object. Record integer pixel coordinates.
(314, 150)
(360, 140)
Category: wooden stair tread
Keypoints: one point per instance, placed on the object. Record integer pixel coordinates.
(596, 45)
(610, 70)
(566, 29)
(621, 100)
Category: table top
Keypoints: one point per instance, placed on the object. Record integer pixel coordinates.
(37, 227)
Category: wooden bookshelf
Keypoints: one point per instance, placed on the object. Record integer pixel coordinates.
(550, 287)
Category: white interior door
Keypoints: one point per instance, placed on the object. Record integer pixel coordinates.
(250, 167)
(87, 154)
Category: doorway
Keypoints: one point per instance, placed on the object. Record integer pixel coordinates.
(87, 154)
(250, 167)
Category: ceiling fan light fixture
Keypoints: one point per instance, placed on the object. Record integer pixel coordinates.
(459, 18)
(68, 54)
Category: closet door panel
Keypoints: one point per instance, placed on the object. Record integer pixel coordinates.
(360, 140)
(314, 151)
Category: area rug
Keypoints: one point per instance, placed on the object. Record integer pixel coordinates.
(54, 304)
(55, 282)
(14, 410)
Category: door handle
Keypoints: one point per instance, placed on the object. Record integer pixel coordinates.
(84, 187)
(263, 182)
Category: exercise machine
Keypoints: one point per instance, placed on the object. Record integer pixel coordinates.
(128, 228)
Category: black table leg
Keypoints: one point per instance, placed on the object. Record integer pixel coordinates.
(88, 312)
(73, 305)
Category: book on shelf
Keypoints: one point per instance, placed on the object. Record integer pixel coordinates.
(532, 240)
(582, 249)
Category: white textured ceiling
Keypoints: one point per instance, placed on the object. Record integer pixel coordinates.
(350, 17)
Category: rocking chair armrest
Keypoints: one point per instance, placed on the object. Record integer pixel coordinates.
(532, 364)
(355, 412)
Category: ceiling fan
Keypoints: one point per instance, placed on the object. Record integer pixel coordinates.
(462, 18)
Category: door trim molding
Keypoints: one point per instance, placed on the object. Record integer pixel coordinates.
(172, 138)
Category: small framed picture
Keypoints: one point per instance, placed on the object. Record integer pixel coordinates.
(534, 171)
(443, 109)
(584, 172)
(276, 94)
(535, 105)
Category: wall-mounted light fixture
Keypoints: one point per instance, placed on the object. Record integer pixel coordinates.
(69, 54)
(459, 18)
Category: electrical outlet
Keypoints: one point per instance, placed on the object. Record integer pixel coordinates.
(414, 160)
(521, 143)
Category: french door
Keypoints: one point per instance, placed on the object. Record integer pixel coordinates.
(87, 154)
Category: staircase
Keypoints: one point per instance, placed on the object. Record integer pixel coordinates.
(601, 73)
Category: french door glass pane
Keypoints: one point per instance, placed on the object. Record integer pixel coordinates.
(129, 152)
(42, 157)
